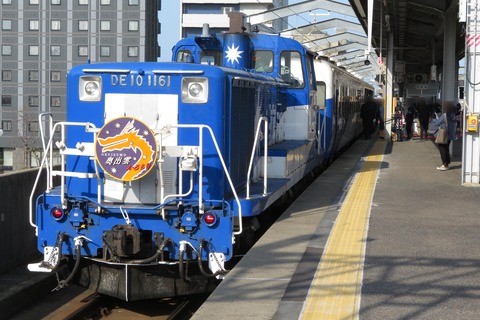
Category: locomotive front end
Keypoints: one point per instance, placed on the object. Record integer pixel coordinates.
(141, 205)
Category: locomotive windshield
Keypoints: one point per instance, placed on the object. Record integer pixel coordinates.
(262, 60)
(211, 57)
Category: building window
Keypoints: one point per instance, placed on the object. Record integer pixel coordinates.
(133, 25)
(33, 101)
(6, 101)
(83, 2)
(55, 25)
(133, 51)
(105, 2)
(55, 76)
(55, 50)
(6, 50)
(82, 51)
(6, 24)
(7, 125)
(6, 75)
(83, 25)
(6, 1)
(133, 2)
(105, 25)
(226, 10)
(33, 75)
(33, 50)
(104, 51)
(33, 2)
(33, 25)
(33, 126)
(56, 2)
(55, 101)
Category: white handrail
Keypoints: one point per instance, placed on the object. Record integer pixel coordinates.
(265, 160)
(200, 127)
(88, 127)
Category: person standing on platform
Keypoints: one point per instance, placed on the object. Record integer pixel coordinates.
(409, 116)
(446, 120)
(368, 113)
(424, 118)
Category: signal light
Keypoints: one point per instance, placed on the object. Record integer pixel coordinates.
(210, 218)
(57, 213)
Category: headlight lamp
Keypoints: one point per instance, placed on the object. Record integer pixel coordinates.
(194, 90)
(90, 88)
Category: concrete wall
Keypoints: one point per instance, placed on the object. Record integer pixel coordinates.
(17, 237)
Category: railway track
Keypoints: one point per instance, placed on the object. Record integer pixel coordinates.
(76, 303)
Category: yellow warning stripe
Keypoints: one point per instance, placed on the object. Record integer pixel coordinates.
(335, 290)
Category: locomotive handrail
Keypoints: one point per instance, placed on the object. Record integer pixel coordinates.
(265, 160)
(42, 135)
(47, 155)
(200, 128)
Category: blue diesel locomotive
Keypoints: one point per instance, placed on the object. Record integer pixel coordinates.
(165, 167)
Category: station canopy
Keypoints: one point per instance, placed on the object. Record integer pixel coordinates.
(330, 29)
(339, 31)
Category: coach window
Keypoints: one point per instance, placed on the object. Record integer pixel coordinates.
(291, 68)
(321, 94)
(184, 56)
(262, 60)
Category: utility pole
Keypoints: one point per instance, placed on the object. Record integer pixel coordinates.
(469, 12)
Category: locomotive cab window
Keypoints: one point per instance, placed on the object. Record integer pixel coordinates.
(262, 60)
(211, 57)
(184, 56)
(291, 68)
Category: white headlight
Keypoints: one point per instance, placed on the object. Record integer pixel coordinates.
(194, 90)
(90, 88)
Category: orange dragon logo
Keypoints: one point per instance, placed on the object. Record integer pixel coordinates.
(126, 149)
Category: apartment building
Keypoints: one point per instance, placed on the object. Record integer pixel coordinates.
(41, 40)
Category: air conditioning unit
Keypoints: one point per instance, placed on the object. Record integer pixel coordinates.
(420, 78)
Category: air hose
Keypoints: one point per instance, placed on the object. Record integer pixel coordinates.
(200, 264)
(157, 254)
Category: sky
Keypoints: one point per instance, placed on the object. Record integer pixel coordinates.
(170, 28)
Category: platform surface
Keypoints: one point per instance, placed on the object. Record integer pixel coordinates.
(421, 249)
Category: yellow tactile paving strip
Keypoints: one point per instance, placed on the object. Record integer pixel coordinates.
(335, 290)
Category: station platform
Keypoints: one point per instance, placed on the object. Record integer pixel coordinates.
(381, 234)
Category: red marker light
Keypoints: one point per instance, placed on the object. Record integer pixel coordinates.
(57, 213)
(210, 219)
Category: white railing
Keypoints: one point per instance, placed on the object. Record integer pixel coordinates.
(87, 149)
(47, 160)
(265, 156)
